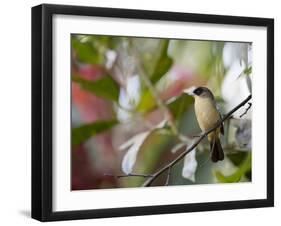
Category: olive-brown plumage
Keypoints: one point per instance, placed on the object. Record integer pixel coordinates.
(208, 116)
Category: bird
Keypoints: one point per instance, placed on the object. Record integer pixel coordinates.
(208, 116)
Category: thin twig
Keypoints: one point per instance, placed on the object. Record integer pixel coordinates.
(246, 111)
(194, 136)
(129, 175)
(150, 180)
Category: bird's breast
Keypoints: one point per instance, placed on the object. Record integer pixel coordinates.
(206, 113)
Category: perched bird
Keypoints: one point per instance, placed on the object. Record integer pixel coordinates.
(208, 116)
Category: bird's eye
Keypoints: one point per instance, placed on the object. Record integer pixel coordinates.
(198, 91)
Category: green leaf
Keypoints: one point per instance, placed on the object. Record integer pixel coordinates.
(104, 87)
(86, 52)
(163, 64)
(237, 157)
(243, 169)
(248, 71)
(147, 102)
(83, 133)
(154, 57)
(179, 106)
(156, 64)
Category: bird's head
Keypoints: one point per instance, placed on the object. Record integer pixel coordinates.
(201, 92)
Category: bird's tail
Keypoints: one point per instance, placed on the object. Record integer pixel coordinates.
(216, 150)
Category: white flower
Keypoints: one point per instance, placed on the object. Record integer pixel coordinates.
(129, 97)
(189, 166)
(110, 58)
(134, 145)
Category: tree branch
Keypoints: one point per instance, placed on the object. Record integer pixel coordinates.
(246, 111)
(150, 180)
(128, 175)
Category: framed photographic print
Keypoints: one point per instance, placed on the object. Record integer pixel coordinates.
(146, 112)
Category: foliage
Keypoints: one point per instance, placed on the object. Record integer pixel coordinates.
(163, 63)
(241, 171)
(180, 105)
(82, 133)
(157, 113)
(104, 87)
(86, 52)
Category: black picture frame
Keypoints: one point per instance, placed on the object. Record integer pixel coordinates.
(42, 107)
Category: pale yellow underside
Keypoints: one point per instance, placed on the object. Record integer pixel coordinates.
(207, 115)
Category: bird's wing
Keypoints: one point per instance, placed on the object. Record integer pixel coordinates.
(221, 127)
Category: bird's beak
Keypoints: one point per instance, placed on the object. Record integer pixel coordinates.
(190, 90)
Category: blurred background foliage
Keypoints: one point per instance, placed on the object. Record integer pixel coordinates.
(119, 126)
